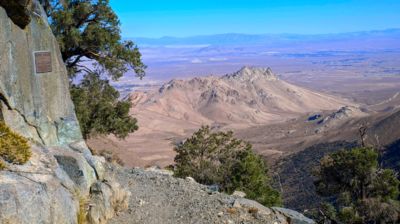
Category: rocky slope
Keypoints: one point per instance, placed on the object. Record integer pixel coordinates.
(157, 197)
(62, 172)
(295, 171)
(391, 104)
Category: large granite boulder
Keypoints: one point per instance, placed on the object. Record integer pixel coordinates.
(38, 192)
(293, 216)
(35, 102)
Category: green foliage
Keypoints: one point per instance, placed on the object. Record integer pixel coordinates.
(13, 147)
(89, 29)
(249, 175)
(347, 171)
(98, 109)
(88, 32)
(362, 191)
(219, 158)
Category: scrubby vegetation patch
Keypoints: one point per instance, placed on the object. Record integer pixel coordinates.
(217, 158)
(14, 148)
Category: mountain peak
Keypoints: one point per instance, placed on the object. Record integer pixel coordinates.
(247, 73)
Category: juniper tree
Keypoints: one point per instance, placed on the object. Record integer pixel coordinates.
(89, 35)
(361, 191)
(98, 109)
(90, 29)
(219, 158)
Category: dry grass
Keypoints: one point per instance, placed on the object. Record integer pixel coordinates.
(120, 201)
(253, 210)
(2, 165)
(110, 157)
(14, 148)
(83, 209)
(232, 211)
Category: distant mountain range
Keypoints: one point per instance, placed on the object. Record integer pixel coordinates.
(391, 35)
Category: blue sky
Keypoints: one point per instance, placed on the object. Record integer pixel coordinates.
(157, 18)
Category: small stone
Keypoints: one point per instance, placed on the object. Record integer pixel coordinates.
(212, 189)
(237, 204)
(220, 214)
(240, 194)
(190, 179)
(141, 202)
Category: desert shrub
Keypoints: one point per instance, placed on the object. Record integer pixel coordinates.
(232, 211)
(219, 158)
(2, 165)
(111, 157)
(14, 148)
(361, 191)
(120, 200)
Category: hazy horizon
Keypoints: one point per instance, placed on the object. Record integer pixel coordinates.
(265, 34)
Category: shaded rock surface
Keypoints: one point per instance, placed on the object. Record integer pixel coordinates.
(18, 11)
(157, 197)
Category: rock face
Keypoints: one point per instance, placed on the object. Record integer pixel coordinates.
(62, 171)
(36, 105)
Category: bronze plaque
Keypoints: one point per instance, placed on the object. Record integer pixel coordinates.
(43, 62)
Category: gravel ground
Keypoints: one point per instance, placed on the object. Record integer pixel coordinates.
(159, 198)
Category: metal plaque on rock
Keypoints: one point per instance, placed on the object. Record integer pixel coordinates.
(43, 61)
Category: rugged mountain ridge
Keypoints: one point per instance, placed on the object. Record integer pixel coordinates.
(249, 96)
